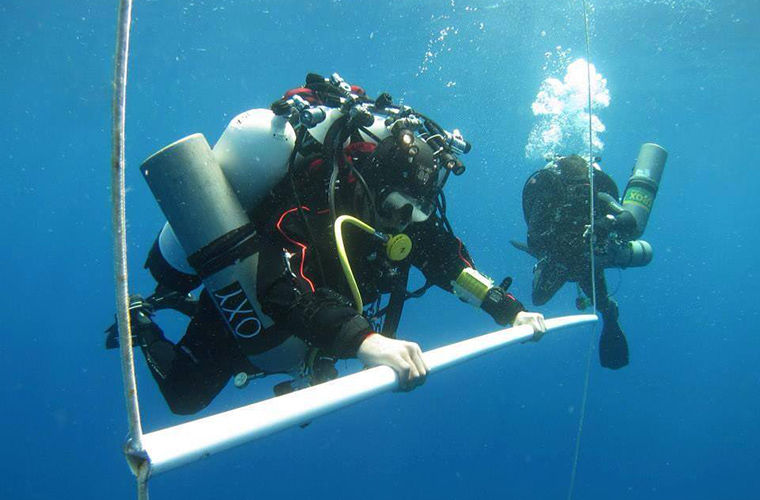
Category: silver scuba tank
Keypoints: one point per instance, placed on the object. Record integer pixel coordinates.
(643, 184)
(636, 253)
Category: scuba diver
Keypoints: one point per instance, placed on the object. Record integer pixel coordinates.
(556, 210)
(297, 224)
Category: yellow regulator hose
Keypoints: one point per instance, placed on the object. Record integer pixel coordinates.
(397, 248)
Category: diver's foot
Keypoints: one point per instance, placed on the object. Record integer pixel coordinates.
(141, 321)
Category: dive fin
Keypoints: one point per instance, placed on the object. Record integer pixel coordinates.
(613, 347)
(521, 246)
(112, 337)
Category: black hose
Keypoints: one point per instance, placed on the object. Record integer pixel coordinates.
(370, 196)
(369, 133)
(441, 204)
(334, 138)
(309, 232)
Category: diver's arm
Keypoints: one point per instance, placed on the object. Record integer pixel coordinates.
(478, 290)
(324, 318)
(445, 262)
(614, 216)
(436, 252)
(327, 320)
(542, 196)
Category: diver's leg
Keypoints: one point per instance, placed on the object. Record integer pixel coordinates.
(613, 346)
(191, 373)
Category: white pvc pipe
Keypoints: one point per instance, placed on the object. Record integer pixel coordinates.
(175, 446)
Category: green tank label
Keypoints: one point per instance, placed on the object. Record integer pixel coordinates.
(639, 197)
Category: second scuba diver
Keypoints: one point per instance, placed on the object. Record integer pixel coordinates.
(296, 223)
(556, 209)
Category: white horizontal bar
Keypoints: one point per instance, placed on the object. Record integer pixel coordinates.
(175, 446)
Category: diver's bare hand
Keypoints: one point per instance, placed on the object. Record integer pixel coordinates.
(404, 357)
(535, 320)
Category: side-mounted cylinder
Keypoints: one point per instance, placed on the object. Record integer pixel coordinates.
(643, 184)
(636, 253)
(167, 263)
(212, 227)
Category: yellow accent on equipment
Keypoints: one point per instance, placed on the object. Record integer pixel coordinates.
(471, 286)
(396, 248)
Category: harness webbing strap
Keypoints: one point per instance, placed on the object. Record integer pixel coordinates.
(396, 303)
(225, 250)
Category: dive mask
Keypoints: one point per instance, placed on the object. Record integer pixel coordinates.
(408, 174)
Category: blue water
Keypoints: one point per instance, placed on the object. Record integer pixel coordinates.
(680, 422)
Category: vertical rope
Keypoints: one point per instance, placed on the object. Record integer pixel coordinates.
(143, 475)
(592, 198)
(592, 258)
(581, 417)
(118, 223)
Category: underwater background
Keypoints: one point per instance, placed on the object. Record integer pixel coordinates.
(681, 421)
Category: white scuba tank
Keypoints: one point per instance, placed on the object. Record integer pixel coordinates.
(378, 128)
(319, 131)
(171, 250)
(253, 152)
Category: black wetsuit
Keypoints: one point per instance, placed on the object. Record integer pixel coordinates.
(556, 210)
(308, 299)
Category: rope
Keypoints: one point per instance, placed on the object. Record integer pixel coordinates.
(142, 482)
(581, 418)
(592, 259)
(592, 200)
(118, 225)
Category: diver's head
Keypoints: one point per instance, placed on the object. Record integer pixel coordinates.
(573, 166)
(408, 176)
